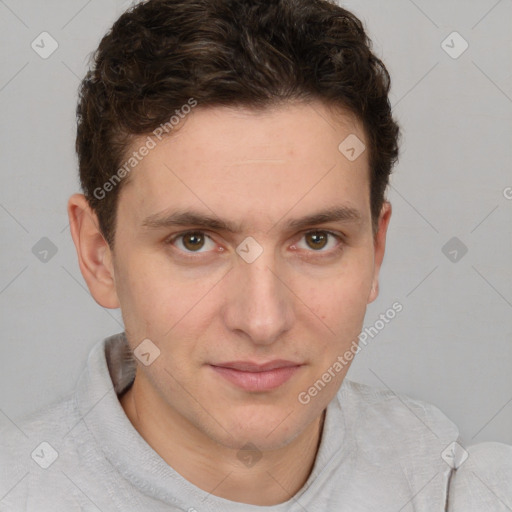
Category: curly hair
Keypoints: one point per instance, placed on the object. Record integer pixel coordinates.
(250, 53)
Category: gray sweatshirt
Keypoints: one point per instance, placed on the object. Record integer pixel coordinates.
(379, 452)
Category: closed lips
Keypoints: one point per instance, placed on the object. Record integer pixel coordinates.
(246, 366)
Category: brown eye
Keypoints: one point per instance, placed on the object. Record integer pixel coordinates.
(320, 241)
(193, 242)
(317, 239)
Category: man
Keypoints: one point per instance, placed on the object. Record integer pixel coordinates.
(234, 158)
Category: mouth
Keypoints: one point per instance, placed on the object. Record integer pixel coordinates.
(257, 377)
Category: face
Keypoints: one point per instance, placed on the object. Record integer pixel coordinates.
(218, 259)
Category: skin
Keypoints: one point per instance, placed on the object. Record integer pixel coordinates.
(201, 303)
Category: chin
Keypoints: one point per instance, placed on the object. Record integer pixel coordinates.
(268, 431)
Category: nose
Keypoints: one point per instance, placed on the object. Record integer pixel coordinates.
(258, 301)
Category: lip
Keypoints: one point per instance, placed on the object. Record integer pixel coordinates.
(257, 377)
(249, 366)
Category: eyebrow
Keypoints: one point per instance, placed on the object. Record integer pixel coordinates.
(175, 218)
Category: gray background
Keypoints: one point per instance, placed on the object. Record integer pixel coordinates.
(451, 344)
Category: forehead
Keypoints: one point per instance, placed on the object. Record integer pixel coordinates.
(233, 158)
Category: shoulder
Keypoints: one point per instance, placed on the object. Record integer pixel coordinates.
(53, 422)
(19, 434)
(396, 413)
(396, 442)
(483, 481)
(30, 445)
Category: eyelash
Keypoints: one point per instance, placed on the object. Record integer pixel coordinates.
(192, 255)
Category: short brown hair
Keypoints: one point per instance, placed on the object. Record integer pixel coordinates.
(251, 53)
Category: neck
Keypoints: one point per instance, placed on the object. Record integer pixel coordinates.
(216, 469)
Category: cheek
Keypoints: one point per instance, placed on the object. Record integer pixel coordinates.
(345, 290)
(140, 291)
(339, 303)
(157, 301)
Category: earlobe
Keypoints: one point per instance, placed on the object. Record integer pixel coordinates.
(94, 254)
(379, 248)
(374, 292)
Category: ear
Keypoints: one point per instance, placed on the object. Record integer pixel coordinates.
(379, 247)
(94, 254)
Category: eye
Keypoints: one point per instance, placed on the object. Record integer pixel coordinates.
(318, 240)
(192, 242)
